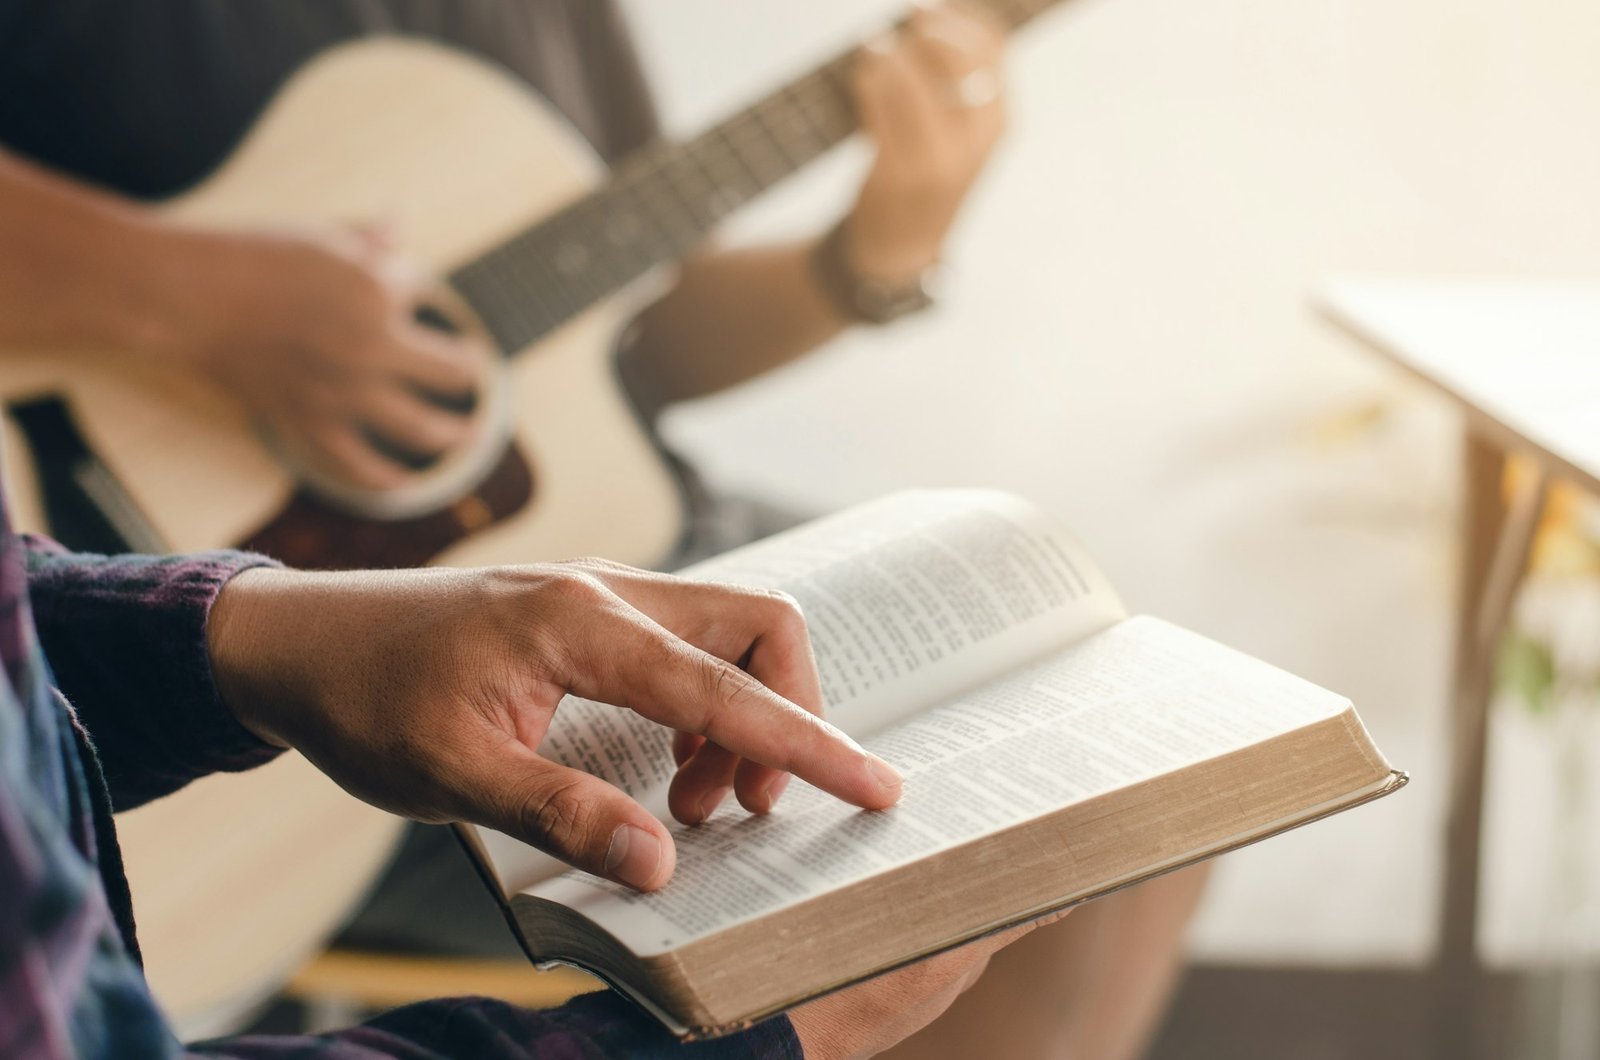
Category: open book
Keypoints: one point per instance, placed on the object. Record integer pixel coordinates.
(1054, 750)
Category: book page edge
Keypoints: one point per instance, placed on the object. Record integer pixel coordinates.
(1380, 788)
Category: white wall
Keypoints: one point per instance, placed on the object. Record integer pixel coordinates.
(1129, 341)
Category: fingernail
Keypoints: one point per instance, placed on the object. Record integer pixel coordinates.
(882, 44)
(885, 774)
(712, 800)
(633, 856)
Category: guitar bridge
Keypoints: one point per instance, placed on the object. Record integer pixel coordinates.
(311, 535)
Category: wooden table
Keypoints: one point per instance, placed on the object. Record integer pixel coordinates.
(1521, 360)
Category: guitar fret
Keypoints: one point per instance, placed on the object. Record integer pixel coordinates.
(756, 151)
(510, 284)
(680, 181)
(620, 248)
(475, 285)
(575, 258)
(662, 198)
(676, 227)
(496, 304)
(530, 264)
(692, 191)
(790, 137)
(828, 103)
(534, 274)
(724, 183)
(573, 254)
(537, 265)
(602, 260)
(538, 302)
(803, 126)
(733, 174)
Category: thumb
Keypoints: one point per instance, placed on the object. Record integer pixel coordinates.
(569, 814)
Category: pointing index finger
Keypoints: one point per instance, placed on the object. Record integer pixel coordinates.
(675, 684)
(737, 712)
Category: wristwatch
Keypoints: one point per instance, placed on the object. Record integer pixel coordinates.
(863, 298)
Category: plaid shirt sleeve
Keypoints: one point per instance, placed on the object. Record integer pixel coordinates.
(591, 1026)
(70, 985)
(125, 636)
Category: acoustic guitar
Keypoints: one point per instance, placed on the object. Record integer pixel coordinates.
(542, 252)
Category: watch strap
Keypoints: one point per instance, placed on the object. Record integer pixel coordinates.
(862, 298)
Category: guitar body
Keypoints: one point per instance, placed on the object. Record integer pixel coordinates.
(457, 157)
(238, 879)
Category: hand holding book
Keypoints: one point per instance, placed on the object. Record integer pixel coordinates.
(871, 1017)
(1054, 749)
(429, 693)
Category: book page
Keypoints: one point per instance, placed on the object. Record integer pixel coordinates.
(910, 600)
(1129, 704)
(918, 597)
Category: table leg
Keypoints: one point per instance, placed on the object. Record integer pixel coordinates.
(1496, 538)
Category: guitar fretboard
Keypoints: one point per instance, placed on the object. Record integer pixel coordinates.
(661, 202)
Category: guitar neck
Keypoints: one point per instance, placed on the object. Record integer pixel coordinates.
(662, 200)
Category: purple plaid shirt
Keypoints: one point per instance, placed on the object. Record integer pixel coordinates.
(126, 638)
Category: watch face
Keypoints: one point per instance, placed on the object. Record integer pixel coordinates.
(864, 298)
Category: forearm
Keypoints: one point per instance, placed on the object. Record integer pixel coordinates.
(125, 637)
(81, 267)
(733, 315)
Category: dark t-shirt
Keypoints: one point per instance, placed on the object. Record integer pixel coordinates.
(148, 96)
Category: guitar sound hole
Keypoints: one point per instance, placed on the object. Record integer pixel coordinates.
(462, 404)
(311, 535)
(406, 458)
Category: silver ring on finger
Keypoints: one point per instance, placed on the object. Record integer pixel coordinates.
(977, 89)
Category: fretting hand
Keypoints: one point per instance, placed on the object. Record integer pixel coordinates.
(932, 100)
(868, 1018)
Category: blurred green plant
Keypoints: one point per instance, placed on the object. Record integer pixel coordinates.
(1526, 669)
(1552, 647)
